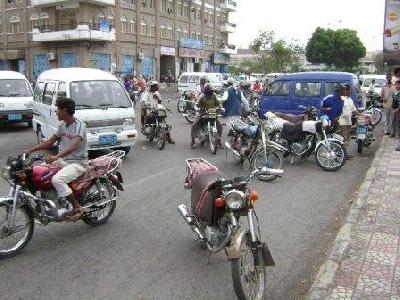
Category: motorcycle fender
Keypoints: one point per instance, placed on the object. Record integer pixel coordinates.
(266, 254)
(328, 140)
(233, 250)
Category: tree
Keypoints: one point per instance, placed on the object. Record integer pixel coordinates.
(340, 48)
(378, 63)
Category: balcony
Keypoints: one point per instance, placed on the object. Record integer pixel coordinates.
(80, 32)
(228, 27)
(228, 49)
(228, 5)
(67, 4)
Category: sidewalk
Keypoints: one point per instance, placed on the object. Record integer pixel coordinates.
(364, 262)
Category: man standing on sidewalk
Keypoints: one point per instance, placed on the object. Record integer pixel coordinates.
(395, 108)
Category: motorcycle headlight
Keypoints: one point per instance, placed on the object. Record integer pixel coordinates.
(324, 121)
(6, 173)
(235, 199)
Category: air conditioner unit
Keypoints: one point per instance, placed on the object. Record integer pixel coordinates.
(141, 55)
(51, 56)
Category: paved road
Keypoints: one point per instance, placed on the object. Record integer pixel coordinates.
(146, 252)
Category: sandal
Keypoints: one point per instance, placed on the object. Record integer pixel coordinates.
(74, 216)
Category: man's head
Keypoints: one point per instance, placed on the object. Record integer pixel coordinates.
(154, 86)
(347, 90)
(203, 81)
(397, 85)
(396, 71)
(373, 81)
(65, 108)
(208, 90)
(339, 89)
(230, 82)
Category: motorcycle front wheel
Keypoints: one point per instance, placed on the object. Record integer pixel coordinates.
(271, 159)
(249, 281)
(333, 159)
(101, 213)
(213, 140)
(162, 136)
(13, 240)
(360, 146)
(190, 116)
(180, 106)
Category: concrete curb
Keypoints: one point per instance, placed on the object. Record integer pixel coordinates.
(325, 276)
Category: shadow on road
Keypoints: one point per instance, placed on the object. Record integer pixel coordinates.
(9, 128)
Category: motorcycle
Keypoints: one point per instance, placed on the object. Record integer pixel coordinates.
(208, 130)
(248, 142)
(186, 105)
(155, 126)
(217, 208)
(364, 128)
(304, 138)
(33, 198)
(374, 107)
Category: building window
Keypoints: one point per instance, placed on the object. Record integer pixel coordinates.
(186, 9)
(178, 34)
(35, 21)
(163, 31)
(132, 26)
(198, 11)
(14, 24)
(151, 3)
(185, 34)
(124, 24)
(170, 32)
(170, 7)
(152, 30)
(163, 5)
(198, 36)
(111, 20)
(179, 9)
(211, 17)
(143, 26)
(130, 1)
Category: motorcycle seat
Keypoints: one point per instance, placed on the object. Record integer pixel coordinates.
(291, 117)
(240, 127)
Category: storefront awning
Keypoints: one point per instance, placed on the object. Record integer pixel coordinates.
(12, 54)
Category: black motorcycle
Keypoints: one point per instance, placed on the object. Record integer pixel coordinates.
(208, 131)
(374, 106)
(186, 105)
(155, 126)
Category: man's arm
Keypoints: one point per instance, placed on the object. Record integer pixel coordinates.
(45, 145)
(224, 96)
(244, 102)
(76, 140)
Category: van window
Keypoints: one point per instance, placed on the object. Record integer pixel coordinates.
(279, 88)
(213, 79)
(307, 89)
(330, 86)
(49, 93)
(184, 79)
(62, 89)
(37, 95)
(14, 88)
(99, 93)
(378, 82)
(194, 79)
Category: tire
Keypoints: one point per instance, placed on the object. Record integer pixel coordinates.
(329, 164)
(360, 146)
(91, 218)
(190, 117)
(274, 157)
(162, 137)
(180, 106)
(236, 265)
(28, 216)
(213, 140)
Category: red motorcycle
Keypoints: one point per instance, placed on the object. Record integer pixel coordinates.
(33, 198)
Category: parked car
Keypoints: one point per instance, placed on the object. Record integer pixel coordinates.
(15, 98)
(101, 103)
(188, 81)
(380, 80)
(291, 93)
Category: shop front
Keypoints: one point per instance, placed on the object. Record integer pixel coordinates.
(219, 62)
(167, 64)
(191, 56)
(13, 60)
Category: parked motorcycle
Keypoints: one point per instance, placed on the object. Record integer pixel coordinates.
(217, 208)
(208, 130)
(364, 135)
(302, 139)
(186, 105)
(33, 198)
(155, 126)
(248, 142)
(374, 107)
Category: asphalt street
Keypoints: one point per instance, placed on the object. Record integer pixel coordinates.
(145, 251)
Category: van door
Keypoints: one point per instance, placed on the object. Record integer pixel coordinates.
(277, 98)
(183, 84)
(48, 110)
(307, 93)
(194, 80)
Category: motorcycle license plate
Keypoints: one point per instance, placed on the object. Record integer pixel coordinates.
(14, 117)
(361, 130)
(110, 139)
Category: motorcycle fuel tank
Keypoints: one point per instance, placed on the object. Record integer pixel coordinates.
(42, 175)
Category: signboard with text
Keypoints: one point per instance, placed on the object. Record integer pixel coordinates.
(391, 36)
(167, 51)
(220, 58)
(187, 52)
(191, 43)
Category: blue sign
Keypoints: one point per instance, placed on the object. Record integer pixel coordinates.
(104, 25)
(191, 43)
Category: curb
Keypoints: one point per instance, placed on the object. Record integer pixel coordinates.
(325, 276)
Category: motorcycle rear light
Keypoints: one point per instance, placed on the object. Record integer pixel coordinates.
(219, 202)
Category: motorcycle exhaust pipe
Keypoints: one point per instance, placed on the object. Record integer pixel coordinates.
(182, 210)
(228, 146)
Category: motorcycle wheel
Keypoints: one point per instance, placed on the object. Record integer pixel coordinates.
(213, 140)
(325, 162)
(101, 214)
(180, 106)
(162, 136)
(249, 281)
(360, 146)
(190, 117)
(12, 244)
(273, 160)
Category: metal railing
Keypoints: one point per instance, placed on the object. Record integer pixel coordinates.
(64, 27)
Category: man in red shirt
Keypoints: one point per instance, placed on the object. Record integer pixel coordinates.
(257, 86)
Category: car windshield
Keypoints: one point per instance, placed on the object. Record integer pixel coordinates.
(99, 94)
(378, 82)
(213, 79)
(14, 88)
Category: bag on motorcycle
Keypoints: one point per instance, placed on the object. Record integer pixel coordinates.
(292, 131)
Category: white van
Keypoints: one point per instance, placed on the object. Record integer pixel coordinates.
(15, 98)
(380, 80)
(101, 102)
(188, 81)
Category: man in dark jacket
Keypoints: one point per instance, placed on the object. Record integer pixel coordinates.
(234, 101)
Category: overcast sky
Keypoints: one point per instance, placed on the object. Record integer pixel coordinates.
(297, 19)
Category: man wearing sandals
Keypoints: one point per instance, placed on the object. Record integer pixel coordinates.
(72, 156)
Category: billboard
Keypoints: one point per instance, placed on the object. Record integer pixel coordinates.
(391, 34)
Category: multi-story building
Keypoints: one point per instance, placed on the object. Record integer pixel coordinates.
(150, 37)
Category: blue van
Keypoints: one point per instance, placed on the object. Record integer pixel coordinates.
(289, 93)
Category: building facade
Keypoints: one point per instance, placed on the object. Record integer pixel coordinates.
(156, 38)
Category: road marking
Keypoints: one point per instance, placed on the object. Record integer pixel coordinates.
(150, 177)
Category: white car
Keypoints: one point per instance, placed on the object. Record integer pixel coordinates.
(101, 103)
(380, 80)
(15, 98)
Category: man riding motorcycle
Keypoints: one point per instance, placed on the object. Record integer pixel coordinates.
(72, 155)
(151, 98)
(208, 100)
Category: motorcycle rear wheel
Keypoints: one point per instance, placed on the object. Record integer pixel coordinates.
(329, 164)
(213, 140)
(245, 274)
(360, 146)
(259, 159)
(100, 216)
(162, 137)
(7, 251)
